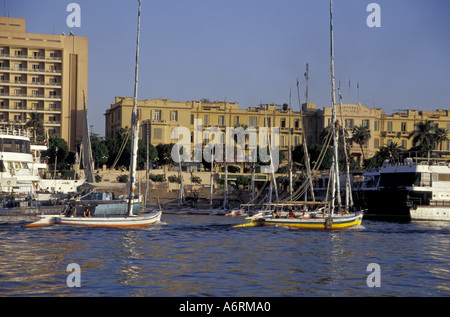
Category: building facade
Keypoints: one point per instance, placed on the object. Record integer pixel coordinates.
(160, 116)
(41, 73)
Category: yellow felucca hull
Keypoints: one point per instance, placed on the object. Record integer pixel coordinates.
(336, 222)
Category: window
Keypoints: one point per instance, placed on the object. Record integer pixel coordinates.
(389, 126)
(206, 119)
(192, 119)
(365, 123)
(35, 93)
(376, 143)
(404, 144)
(297, 123)
(376, 126)
(174, 115)
(236, 120)
(349, 123)
(221, 120)
(283, 123)
(156, 115)
(403, 126)
(283, 140)
(157, 133)
(253, 121)
(296, 140)
(267, 122)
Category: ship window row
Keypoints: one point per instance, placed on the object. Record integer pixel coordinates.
(9, 166)
(15, 146)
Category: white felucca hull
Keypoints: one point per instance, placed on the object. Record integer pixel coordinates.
(115, 222)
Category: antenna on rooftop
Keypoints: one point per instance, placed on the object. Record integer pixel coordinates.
(307, 78)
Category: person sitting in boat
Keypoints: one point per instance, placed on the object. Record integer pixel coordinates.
(276, 214)
(291, 214)
(87, 213)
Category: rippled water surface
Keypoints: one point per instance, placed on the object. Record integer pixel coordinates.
(192, 255)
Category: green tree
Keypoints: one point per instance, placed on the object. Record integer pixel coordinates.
(360, 136)
(243, 180)
(120, 149)
(57, 148)
(152, 153)
(389, 152)
(165, 154)
(440, 136)
(423, 134)
(36, 124)
(100, 151)
(314, 151)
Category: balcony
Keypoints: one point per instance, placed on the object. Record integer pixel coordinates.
(52, 123)
(24, 70)
(30, 83)
(31, 58)
(32, 96)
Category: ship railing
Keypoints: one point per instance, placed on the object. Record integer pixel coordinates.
(18, 132)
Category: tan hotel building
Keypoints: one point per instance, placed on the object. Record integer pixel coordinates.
(42, 73)
(160, 116)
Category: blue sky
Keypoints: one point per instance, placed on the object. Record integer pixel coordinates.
(253, 51)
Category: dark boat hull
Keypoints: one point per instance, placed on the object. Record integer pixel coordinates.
(389, 203)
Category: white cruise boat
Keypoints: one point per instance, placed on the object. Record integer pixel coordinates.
(17, 172)
(50, 188)
(416, 189)
(21, 169)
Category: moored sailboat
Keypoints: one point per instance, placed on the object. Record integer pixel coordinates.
(331, 215)
(129, 219)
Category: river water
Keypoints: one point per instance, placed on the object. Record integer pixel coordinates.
(193, 255)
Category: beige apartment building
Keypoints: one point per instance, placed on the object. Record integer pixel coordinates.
(396, 127)
(42, 73)
(160, 116)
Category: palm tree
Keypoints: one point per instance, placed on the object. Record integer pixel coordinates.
(423, 134)
(360, 136)
(440, 136)
(393, 149)
(35, 123)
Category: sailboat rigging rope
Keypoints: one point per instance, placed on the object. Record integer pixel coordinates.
(122, 147)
